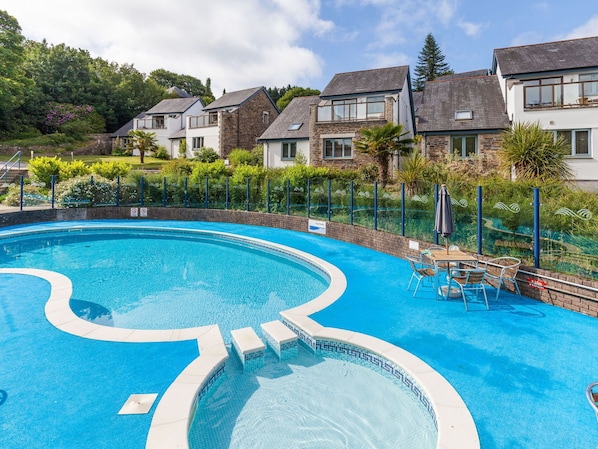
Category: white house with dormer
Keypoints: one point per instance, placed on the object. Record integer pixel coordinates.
(556, 84)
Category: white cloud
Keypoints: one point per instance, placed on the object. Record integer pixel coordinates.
(237, 43)
(588, 29)
(470, 29)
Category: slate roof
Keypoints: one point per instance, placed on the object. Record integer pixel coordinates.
(123, 130)
(391, 79)
(548, 57)
(297, 111)
(481, 72)
(480, 94)
(173, 105)
(234, 99)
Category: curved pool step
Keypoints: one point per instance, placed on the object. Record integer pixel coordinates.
(592, 395)
(282, 340)
(249, 347)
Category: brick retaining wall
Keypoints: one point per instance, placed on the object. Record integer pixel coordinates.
(563, 290)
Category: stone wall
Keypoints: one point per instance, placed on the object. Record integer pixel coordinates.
(436, 147)
(569, 292)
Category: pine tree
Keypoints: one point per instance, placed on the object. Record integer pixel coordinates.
(430, 63)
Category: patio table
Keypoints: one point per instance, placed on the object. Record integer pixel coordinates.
(442, 257)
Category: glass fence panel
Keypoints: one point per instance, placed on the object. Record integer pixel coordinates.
(318, 198)
(363, 205)
(237, 194)
(389, 209)
(278, 196)
(298, 198)
(340, 194)
(130, 191)
(196, 194)
(508, 222)
(465, 213)
(257, 195)
(419, 210)
(216, 193)
(153, 189)
(569, 232)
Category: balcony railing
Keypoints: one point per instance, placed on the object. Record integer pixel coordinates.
(202, 121)
(578, 94)
(149, 123)
(347, 111)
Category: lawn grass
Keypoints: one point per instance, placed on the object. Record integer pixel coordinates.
(150, 163)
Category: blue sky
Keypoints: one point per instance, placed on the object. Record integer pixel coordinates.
(246, 43)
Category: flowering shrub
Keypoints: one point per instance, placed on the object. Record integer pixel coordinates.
(81, 190)
(73, 169)
(72, 120)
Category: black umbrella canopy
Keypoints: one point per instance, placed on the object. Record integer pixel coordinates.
(444, 224)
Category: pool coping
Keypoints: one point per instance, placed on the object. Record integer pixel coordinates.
(174, 413)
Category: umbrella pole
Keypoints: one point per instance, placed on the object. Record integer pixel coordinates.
(446, 240)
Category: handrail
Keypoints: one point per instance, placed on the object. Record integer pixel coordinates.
(593, 396)
(7, 165)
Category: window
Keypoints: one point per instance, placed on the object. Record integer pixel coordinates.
(464, 146)
(338, 148)
(197, 143)
(265, 117)
(158, 122)
(578, 139)
(344, 109)
(213, 118)
(463, 115)
(590, 83)
(289, 150)
(294, 126)
(544, 92)
(375, 106)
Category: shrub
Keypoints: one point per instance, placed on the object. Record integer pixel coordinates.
(161, 153)
(110, 169)
(41, 169)
(239, 156)
(202, 170)
(206, 155)
(242, 172)
(81, 191)
(73, 169)
(177, 167)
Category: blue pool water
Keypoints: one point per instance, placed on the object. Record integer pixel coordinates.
(150, 279)
(521, 368)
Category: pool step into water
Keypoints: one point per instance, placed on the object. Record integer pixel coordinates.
(250, 348)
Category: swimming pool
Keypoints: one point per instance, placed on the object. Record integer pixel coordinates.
(522, 368)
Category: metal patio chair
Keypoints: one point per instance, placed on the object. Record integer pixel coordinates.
(501, 270)
(420, 271)
(468, 280)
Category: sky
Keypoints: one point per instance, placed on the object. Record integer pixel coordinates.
(241, 44)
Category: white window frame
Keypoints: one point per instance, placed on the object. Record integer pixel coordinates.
(197, 140)
(573, 132)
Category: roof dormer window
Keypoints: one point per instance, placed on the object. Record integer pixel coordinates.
(464, 115)
(294, 126)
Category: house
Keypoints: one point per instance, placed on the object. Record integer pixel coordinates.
(461, 115)
(356, 100)
(235, 120)
(167, 119)
(556, 84)
(288, 136)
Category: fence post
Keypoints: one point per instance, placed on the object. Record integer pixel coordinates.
(53, 189)
(207, 193)
(435, 205)
(403, 209)
(329, 213)
(351, 201)
(375, 205)
(537, 242)
(308, 197)
(480, 236)
(164, 192)
(248, 194)
(268, 195)
(288, 197)
(22, 191)
(142, 191)
(227, 198)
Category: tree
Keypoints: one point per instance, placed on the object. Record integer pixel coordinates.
(143, 142)
(189, 84)
(430, 63)
(534, 154)
(284, 101)
(12, 76)
(382, 142)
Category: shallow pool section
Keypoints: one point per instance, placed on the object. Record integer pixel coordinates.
(311, 402)
(169, 279)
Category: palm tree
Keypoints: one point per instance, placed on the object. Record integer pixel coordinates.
(382, 142)
(142, 141)
(534, 154)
